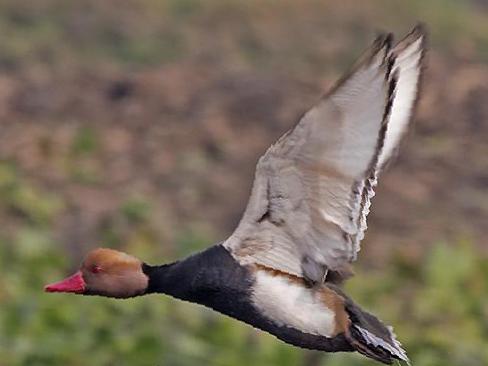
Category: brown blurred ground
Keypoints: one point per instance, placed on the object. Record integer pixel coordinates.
(181, 129)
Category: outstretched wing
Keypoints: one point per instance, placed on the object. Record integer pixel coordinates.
(310, 197)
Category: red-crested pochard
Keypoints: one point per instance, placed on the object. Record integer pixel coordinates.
(281, 269)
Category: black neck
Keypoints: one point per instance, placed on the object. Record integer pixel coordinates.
(198, 277)
(166, 279)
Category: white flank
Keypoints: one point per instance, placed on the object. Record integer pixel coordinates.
(288, 303)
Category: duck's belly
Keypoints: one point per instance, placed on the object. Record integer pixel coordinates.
(290, 303)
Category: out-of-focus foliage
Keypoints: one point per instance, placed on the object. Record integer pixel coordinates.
(137, 125)
(438, 307)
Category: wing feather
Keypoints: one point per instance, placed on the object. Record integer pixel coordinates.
(409, 54)
(312, 189)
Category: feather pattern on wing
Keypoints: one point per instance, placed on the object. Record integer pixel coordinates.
(312, 189)
(406, 60)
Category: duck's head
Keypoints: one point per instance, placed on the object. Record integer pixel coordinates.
(105, 272)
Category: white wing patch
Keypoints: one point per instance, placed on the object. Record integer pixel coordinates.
(408, 68)
(407, 57)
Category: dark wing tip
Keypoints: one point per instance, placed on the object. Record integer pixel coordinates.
(377, 54)
(382, 40)
(418, 32)
(381, 45)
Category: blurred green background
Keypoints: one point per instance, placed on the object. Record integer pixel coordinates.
(137, 124)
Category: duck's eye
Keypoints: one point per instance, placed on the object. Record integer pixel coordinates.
(96, 269)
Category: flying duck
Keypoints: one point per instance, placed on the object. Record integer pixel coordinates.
(281, 269)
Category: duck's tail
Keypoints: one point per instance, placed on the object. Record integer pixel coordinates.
(369, 336)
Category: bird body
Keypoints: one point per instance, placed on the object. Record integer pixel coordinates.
(215, 279)
(309, 316)
(281, 269)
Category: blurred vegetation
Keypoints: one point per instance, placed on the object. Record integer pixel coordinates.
(438, 306)
(84, 162)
